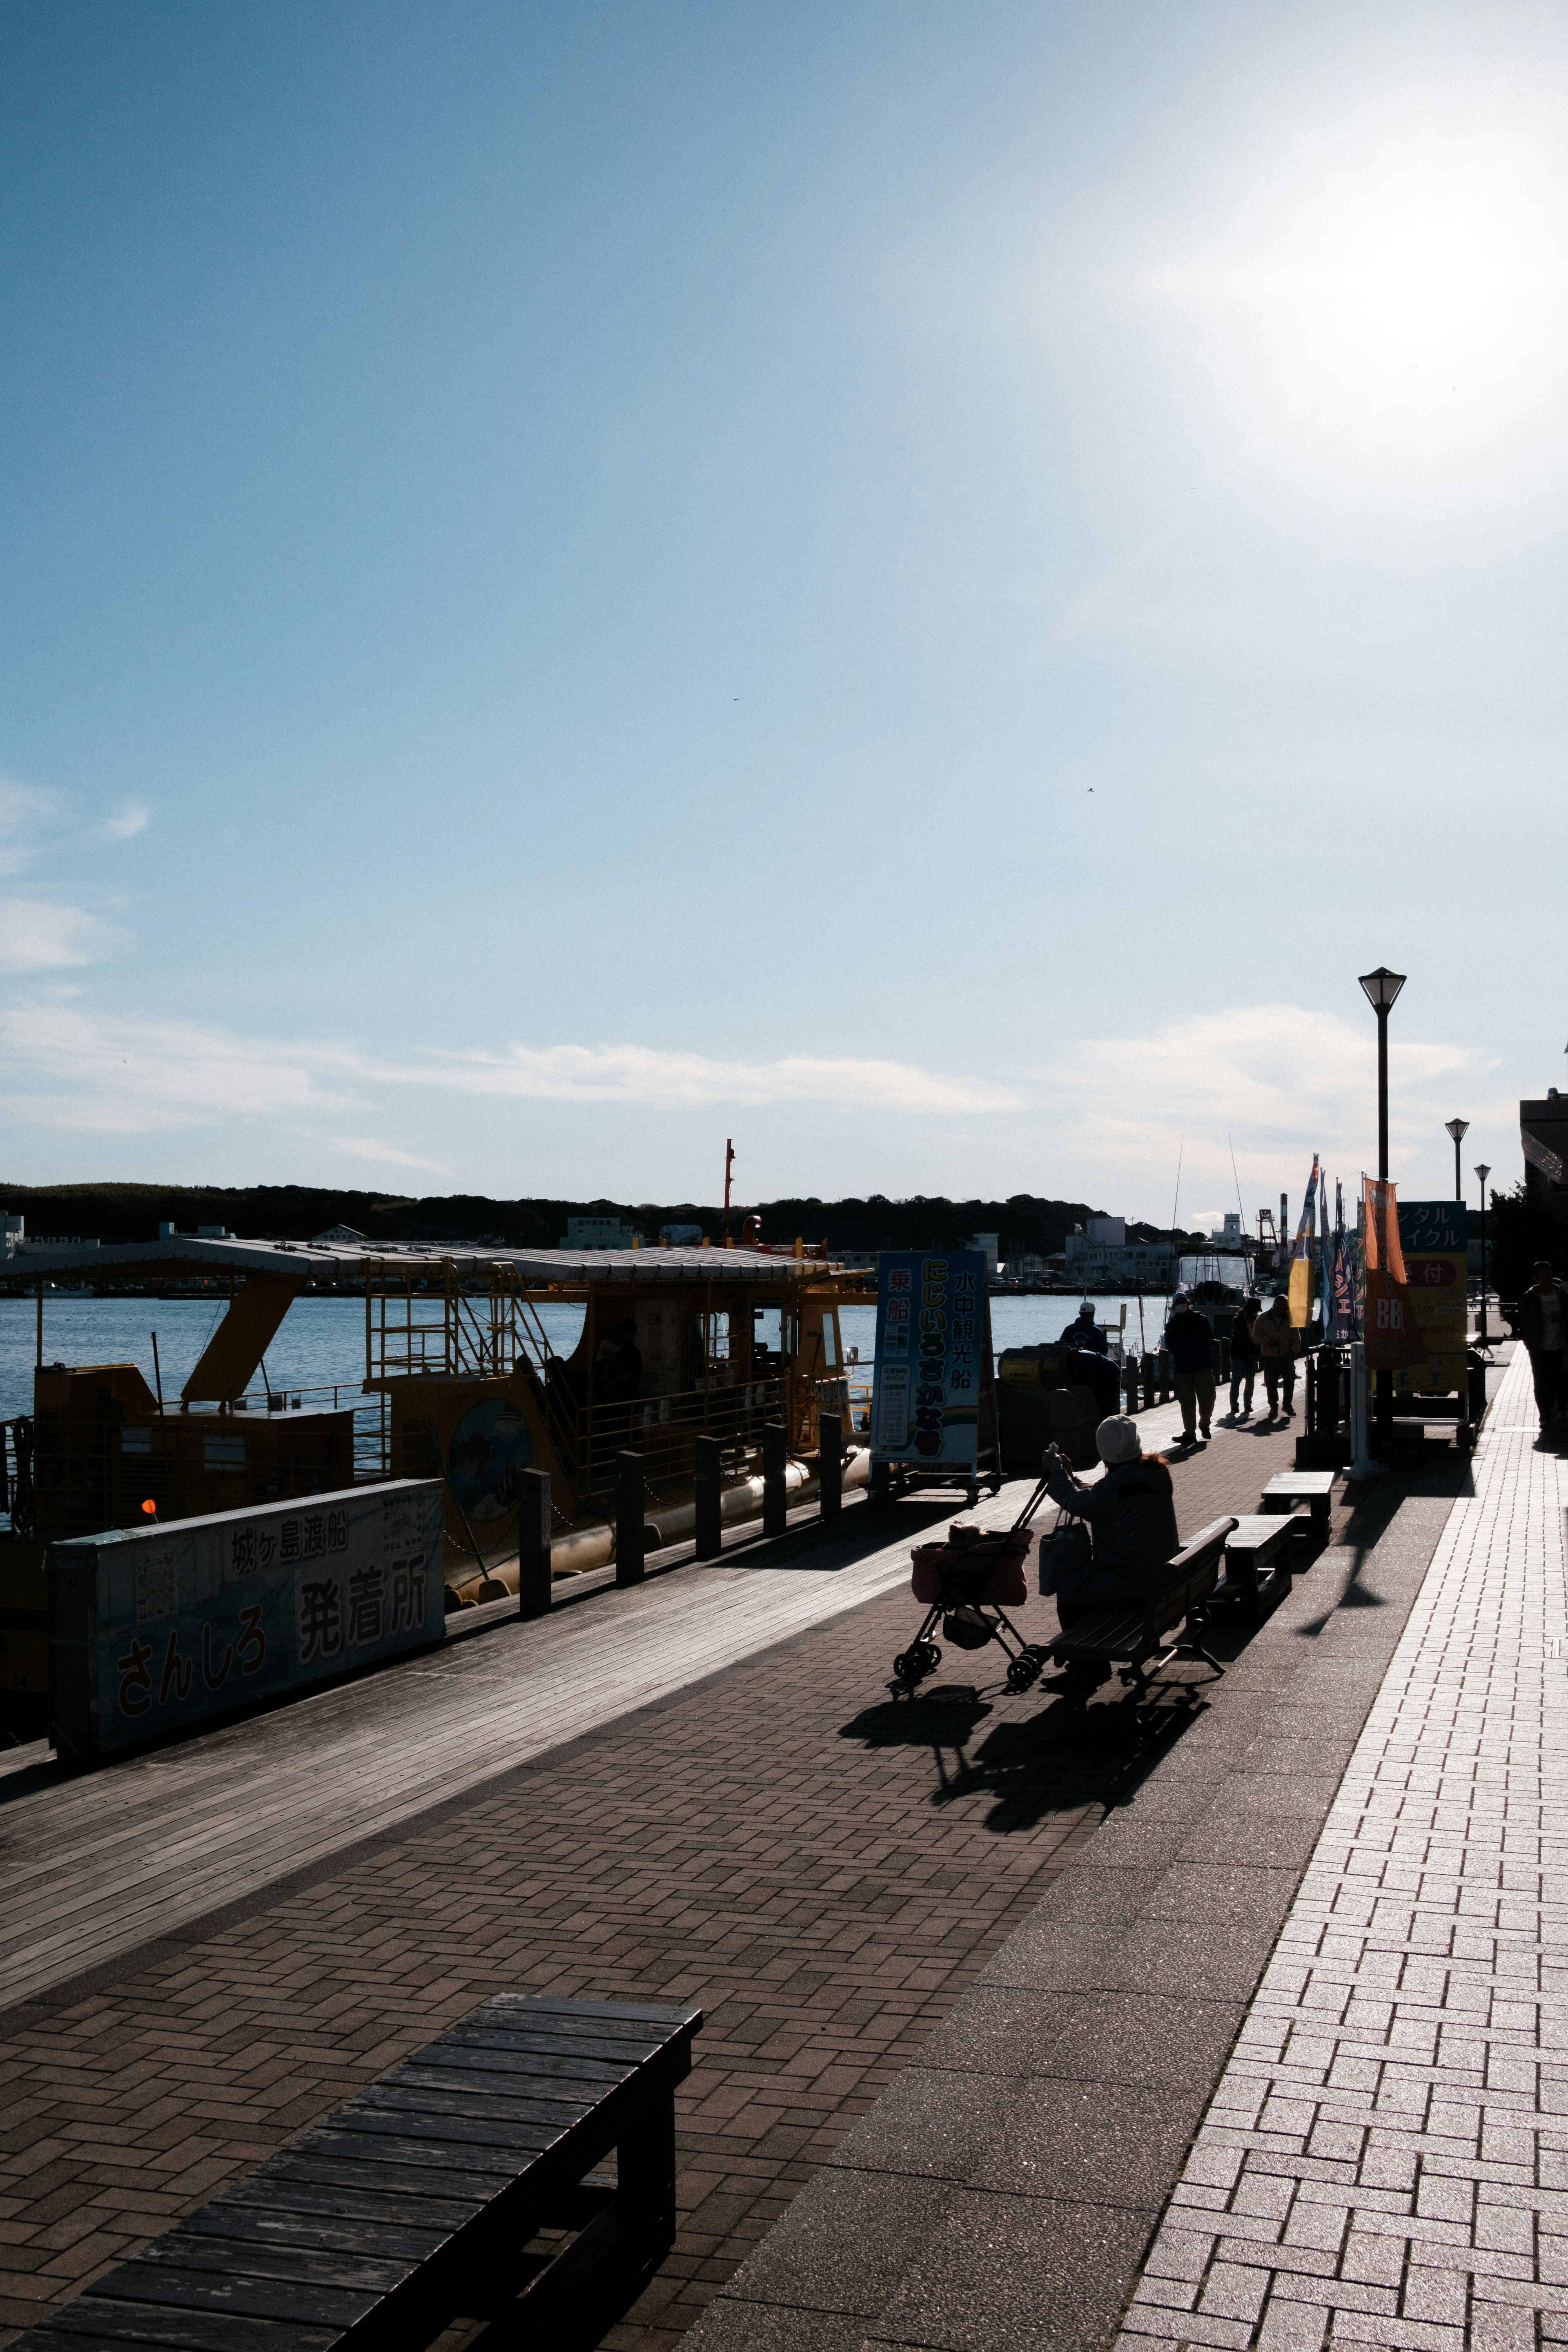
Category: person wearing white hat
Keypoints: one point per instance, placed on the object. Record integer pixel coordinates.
(1132, 1518)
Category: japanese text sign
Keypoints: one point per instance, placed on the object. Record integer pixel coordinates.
(174, 1624)
(932, 1334)
(1434, 1238)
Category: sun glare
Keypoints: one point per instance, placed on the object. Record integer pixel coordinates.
(1381, 315)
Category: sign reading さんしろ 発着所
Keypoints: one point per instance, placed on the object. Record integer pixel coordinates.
(932, 1338)
(155, 1629)
(1433, 1236)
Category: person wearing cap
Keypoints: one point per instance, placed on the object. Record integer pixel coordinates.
(1131, 1518)
(1189, 1336)
(1543, 1327)
(1085, 1332)
(1277, 1345)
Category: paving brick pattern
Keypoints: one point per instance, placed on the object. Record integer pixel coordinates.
(823, 1869)
(1386, 2159)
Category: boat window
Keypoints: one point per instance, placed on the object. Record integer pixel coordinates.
(829, 1350)
(767, 1334)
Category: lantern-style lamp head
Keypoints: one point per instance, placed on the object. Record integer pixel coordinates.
(1382, 987)
(1483, 1172)
(1457, 1127)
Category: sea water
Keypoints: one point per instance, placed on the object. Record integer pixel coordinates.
(321, 1343)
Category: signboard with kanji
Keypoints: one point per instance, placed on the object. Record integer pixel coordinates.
(1434, 1238)
(153, 1629)
(934, 1340)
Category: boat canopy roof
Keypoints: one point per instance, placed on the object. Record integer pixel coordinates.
(187, 1255)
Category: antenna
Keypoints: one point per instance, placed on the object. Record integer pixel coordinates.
(729, 1163)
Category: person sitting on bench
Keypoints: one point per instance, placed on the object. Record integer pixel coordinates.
(1132, 1517)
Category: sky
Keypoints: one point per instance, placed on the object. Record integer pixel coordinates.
(920, 586)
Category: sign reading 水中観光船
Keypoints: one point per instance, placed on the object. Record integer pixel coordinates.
(931, 1342)
(1434, 1241)
(152, 1629)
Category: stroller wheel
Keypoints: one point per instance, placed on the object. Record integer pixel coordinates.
(905, 1668)
(1021, 1674)
(932, 1657)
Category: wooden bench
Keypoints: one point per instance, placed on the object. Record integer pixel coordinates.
(1133, 1640)
(1257, 1562)
(1286, 1489)
(413, 2204)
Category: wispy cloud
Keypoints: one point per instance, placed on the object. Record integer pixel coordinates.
(645, 1074)
(384, 1155)
(39, 936)
(132, 819)
(68, 1068)
(25, 816)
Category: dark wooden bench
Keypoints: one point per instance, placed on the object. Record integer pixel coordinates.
(1288, 1489)
(1257, 1562)
(414, 2205)
(1134, 1642)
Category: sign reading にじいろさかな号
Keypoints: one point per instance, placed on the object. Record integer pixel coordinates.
(932, 1338)
(1434, 1237)
(152, 1629)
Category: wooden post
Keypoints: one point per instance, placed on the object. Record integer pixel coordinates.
(1165, 1390)
(1129, 1381)
(830, 1462)
(534, 1545)
(628, 1518)
(1150, 1381)
(775, 1492)
(709, 1495)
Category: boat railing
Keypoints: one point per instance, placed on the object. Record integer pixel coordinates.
(663, 1429)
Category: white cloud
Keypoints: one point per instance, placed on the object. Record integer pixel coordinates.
(367, 1147)
(1282, 1081)
(36, 936)
(132, 1076)
(24, 814)
(644, 1074)
(132, 819)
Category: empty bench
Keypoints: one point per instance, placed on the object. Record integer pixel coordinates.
(1289, 1488)
(413, 2204)
(1134, 1642)
(1257, 1562)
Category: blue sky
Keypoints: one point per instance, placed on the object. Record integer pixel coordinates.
(921, 586)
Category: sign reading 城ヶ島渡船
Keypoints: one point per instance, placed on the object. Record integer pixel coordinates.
(153, 1629)
(1433, 1236)
(932, 1358)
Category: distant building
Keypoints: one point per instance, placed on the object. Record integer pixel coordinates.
(335, 1237)
(990, 1247)
(1543, 1133)
(1229, 1236)
(598, 1233)
(1028, 1266)
(15, 1232)
(1101, 1257)
(680, 1236)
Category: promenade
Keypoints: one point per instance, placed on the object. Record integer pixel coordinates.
(988, 1983)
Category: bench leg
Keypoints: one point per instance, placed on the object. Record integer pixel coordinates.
(647, 2181)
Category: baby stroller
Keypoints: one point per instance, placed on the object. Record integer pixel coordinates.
(970, 1582)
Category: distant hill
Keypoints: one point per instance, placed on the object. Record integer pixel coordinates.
(133, 1212)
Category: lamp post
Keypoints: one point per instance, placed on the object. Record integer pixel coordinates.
(1483, 1172)
(1459, 1128)
(1381, 988)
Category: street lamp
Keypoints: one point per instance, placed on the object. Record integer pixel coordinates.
(1379, 989)
(1483, 1172)
(1459, 1128)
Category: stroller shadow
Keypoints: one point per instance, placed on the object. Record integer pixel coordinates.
(1057, 1759)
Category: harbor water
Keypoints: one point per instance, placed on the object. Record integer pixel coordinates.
(321, 1342)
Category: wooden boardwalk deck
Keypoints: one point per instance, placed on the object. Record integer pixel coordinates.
(97, 1864)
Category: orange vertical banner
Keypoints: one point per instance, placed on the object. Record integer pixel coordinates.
(1389, 1325)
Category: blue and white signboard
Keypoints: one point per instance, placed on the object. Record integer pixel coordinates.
(932, 1334)
(153, 1629)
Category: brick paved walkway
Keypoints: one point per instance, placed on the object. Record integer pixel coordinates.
(1385, 2160)
(822, 1870)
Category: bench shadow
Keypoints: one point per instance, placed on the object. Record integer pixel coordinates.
(1058, 1758)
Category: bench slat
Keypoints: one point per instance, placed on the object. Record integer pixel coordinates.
(270, 2198)
(617, 2057)
(337, 2167)
(112, 2324)
(188, 2249)
(504, 2058)
(245, 2295)
(465, 2098)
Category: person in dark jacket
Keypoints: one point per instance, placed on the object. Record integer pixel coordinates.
(1244, 1355)
(1085, 1332)
(1276, 1342)
(1131, 1518)
(1543, 1327)
(1189, 1336)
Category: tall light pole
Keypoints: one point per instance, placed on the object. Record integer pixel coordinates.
(1483, 1172)
(1459, 1128)
(1379, 989)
